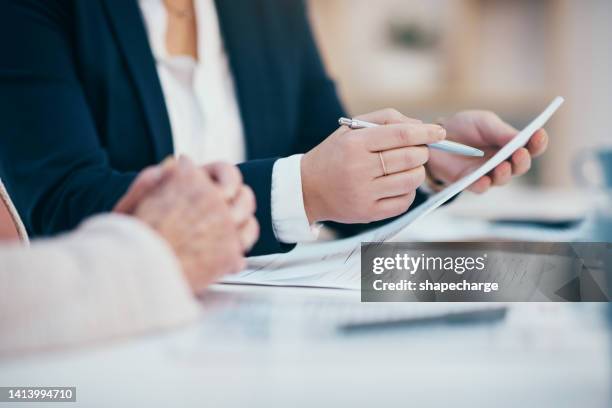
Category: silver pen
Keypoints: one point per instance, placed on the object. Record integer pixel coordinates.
(445, 145)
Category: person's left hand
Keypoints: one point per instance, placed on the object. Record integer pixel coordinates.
(485, 131)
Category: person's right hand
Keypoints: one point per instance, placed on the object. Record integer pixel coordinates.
(343, 178)
(191, 213)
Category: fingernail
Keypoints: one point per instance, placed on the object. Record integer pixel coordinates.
(184, 162)
(168, 161)
(441, 132)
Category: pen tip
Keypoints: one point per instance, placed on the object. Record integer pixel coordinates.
(344, 122)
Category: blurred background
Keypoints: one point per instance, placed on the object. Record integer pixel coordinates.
(431, 58)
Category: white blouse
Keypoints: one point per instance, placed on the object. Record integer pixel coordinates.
(205, 117)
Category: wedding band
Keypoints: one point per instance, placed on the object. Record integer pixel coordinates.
(382, 162)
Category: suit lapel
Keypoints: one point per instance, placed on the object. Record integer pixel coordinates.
(245, 47)
(130, 33)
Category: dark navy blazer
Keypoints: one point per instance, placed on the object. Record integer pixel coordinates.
(82, 110)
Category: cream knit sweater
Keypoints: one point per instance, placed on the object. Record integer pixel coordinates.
(112, 277)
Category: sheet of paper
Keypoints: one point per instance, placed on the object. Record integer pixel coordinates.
(336, 263)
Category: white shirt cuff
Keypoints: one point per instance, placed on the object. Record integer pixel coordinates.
(289, 218)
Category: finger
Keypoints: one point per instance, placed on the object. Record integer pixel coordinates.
(249, 232)
(390, 207)
(399, 183)
(402, 159)
(521, 162)
(243, 205)
(494, 130)
(183, 162)
(481, 185)
(144, 183)
(386, 117)
(538, 143)
(401, 135)
(501, 174)
(168, 162)
(185, 169)
(227, 176)
(187, 175)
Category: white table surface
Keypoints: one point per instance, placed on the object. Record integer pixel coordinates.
(541, 355)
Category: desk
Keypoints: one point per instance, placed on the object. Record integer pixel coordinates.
(542, 355)
(469, 217)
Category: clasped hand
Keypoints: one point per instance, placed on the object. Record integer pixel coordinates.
(205, 214)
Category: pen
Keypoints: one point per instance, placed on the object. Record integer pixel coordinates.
(445, 145)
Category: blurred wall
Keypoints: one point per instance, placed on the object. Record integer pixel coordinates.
(431, 58)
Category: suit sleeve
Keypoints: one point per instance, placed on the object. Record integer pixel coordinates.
(50, 156)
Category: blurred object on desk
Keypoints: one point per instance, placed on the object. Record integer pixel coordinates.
(521, 203)
(593, 168)
(598, 225)
(442, 226)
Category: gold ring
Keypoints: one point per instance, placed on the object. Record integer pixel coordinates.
(382, 162)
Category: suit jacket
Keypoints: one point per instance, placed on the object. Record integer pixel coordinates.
(82, 110)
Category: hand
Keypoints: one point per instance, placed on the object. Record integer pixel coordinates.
(486, 131)
(240, 198)
(145, 183)
(190, 212)
(343, 178)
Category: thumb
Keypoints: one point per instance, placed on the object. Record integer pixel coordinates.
(494, 130)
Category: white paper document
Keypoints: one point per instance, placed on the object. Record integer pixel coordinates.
(337, 263)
